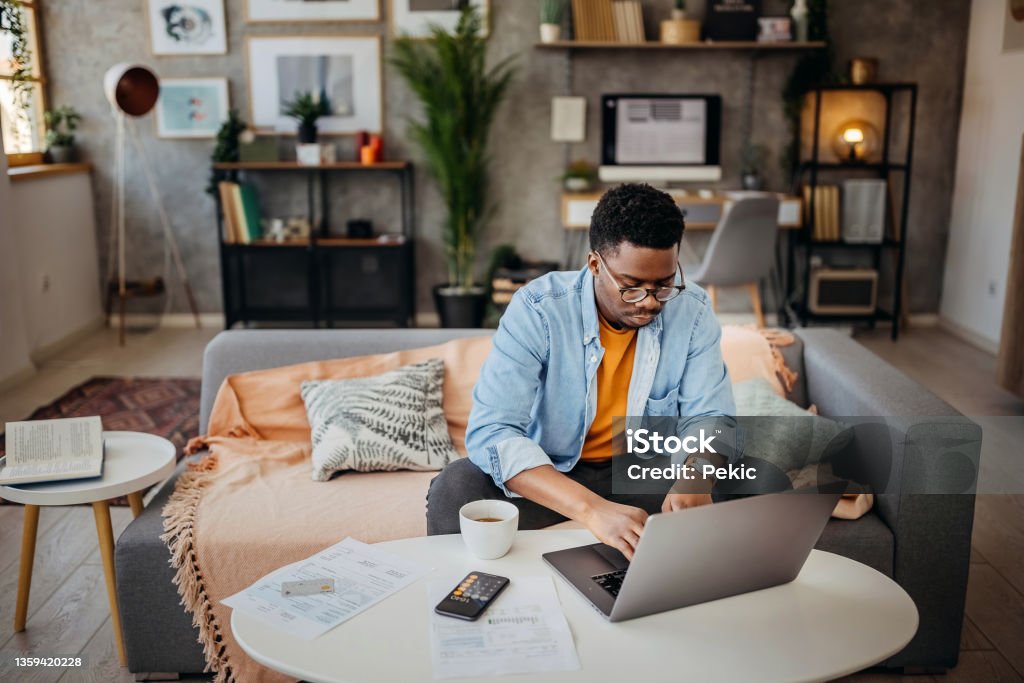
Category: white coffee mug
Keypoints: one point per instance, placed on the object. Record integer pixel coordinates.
(489, 540)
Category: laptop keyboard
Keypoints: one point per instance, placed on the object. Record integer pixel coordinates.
(610, 581)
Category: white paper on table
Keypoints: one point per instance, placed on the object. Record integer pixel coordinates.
(522, 631)
(363, 576)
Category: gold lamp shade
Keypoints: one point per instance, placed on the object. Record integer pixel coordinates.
(131, 88)
(855, 141)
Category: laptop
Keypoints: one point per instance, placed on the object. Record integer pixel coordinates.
(696, 555)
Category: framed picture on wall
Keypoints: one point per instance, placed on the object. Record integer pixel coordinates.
(312, 10)
(192, 28)
(191, 107)
(343, 70)
(414, 17)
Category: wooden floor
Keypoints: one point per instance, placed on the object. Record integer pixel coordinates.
(68, 614)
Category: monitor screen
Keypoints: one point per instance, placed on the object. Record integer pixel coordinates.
(661, 130)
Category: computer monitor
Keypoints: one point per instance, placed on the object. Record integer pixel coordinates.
(660, 138)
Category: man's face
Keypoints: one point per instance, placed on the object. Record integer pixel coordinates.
(631, 266)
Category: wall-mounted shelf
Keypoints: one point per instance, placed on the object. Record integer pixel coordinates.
(703, 45)
(296, 166)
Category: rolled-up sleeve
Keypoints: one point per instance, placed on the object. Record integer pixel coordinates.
(504, 395)
(705, 391)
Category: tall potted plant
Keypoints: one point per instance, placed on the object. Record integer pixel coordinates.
(459, 94)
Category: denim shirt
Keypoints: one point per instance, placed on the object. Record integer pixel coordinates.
(536, 396)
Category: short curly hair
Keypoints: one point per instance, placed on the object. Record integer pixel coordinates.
(635, 213)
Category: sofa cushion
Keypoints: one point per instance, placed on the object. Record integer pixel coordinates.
(867, 540)
(748, 355)
(391, 421)
(266, 403)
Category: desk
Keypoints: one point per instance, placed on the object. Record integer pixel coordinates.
(838, 616)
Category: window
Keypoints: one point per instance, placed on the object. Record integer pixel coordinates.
(22, 83)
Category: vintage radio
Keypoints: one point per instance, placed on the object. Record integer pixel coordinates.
(843, 291)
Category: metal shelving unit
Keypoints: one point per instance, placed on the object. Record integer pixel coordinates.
(319, 280)
(894, 242)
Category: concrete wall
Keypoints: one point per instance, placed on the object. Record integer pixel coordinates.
(919, 40)
(988, 166)
(55, 231)
(14, 348)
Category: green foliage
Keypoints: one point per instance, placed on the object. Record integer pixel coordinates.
(552, 11)
(681, 5)
(307, 108)
(753, 158)
(226, 148)
(460, 95)
(12, 22)
(815, 68)
(580, 169)
(61, 124)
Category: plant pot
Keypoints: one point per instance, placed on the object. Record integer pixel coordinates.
(550, 33)
(307, 133)
(678, 32)
(460, 307)
(61, 154)
(753, 181)
(578, 185)
(678, 14)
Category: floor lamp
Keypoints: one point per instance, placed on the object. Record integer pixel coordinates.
(132, 91)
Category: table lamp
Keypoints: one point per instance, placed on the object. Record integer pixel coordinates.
(855, 141)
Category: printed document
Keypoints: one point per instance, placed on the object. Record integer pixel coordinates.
(522, 631)
(363, 576)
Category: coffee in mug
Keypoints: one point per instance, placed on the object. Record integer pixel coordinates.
(488, 527)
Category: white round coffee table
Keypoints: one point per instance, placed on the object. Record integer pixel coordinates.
(132, 461)
(837, 617)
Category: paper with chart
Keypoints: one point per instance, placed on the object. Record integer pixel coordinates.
(523, 631)
(363, 576)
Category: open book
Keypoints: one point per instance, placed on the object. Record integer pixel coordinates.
(53, 450)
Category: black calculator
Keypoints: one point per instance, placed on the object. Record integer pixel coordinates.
(470, 598)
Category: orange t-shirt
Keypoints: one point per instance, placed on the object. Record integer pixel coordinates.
(613, 377)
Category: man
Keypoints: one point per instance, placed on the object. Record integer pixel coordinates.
(623, 336)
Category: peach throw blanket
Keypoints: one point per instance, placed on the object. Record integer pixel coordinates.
(250, 506)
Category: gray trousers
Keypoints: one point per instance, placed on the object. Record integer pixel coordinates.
(462, 482)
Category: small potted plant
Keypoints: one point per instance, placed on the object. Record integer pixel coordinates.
(551, 12)
(753, 160)
(677, 29)
(579, 176)
(306, 108)
(61, 124)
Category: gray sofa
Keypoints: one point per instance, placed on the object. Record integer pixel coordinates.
(922, 541)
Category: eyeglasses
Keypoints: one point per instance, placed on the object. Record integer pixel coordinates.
(634, 295)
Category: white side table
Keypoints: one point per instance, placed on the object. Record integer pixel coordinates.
(132, 461)
(839, 616)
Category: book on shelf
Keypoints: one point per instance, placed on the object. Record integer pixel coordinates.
(821, 203)
(593, 20)
(240, 205)
(629, 21)
(53, 450)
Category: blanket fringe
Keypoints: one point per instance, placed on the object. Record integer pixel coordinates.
(179, 515)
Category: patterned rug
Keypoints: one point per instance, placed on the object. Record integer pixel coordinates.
(167, 407)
